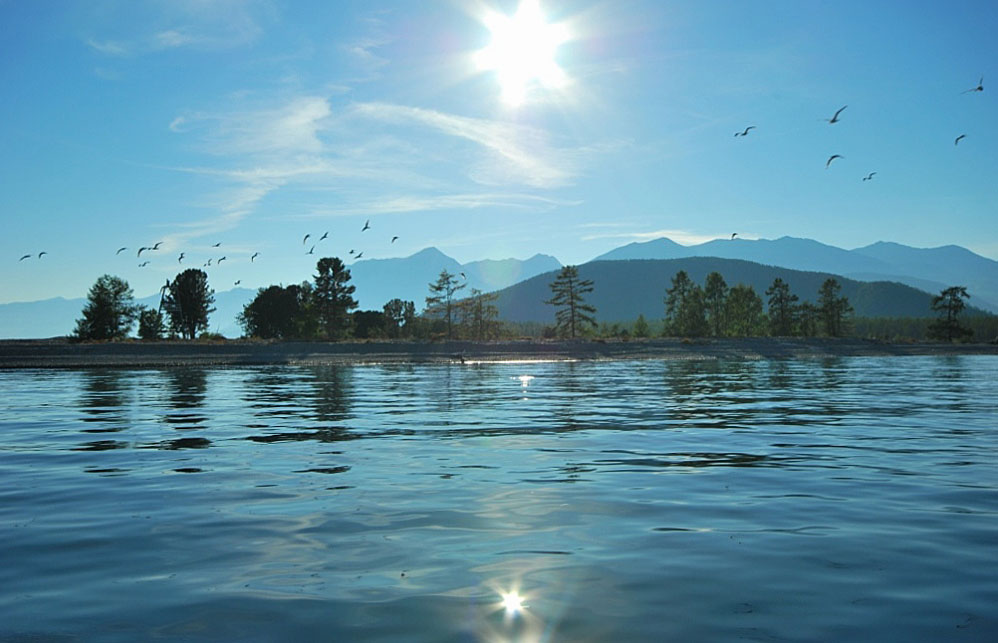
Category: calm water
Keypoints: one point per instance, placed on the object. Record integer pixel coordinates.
(845, 499)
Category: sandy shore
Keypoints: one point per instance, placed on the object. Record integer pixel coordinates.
(57, 353)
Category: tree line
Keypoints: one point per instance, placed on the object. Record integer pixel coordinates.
(324, 309)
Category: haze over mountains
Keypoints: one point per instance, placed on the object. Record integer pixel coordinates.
(623, 290)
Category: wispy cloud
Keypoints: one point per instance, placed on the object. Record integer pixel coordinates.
(684, 237)
(432, 203)
(109, 47)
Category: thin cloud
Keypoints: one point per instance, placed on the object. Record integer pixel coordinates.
(109, 47)
(684, 237)
(431, 203)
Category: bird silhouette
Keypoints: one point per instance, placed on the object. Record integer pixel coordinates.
(216, 245)
(832, 158)
(745, 133)
(869, 177)
(979, 88)
(311, 251)
(351, 251)
(359, 255)
(141, 250)
(367, 225)
(463, 276)
(734, 234)
(305, 238)
(221, 260)
(156, 245)
(208, 264)
(42, 253)
(121, 249)
(957, 141)
(324, 236)
(254, 256)
(394, 239)
(181, 257)
(143, 264)
(237, 282)
(24, 257)
(835, 118)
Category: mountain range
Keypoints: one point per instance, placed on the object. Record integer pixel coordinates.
(523, 284)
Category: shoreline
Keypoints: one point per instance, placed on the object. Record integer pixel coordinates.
(58, 353)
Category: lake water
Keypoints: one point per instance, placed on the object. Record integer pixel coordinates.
(838, 499)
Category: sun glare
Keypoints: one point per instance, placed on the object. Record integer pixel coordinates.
(513, 602)
(522, 51)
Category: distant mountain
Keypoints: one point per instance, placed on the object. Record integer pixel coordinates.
(377, 281)
(408, 278)
(625, 289)
(931, 269)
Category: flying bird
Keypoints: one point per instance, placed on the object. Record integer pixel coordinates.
(208, 264)
(42, 253)
(745, 133)
(359, 255)
(121, 249)
(367, 225)
(305, 239)
(143, 264)
(238, 281)
(979, 88)
(394, 239)
(957, 141)
(734, 234)
(139, 253)
(254, 256)
(156, 245)
(351, 250)
(463, 276)
(221, 260)
(835, 118)
(832, 158)
(311, 251)
(181, 257)
(869, 177)
(24, 257)
(324, 236)
(216, 245)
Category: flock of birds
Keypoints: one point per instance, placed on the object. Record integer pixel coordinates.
(835, 119)
(218, 261)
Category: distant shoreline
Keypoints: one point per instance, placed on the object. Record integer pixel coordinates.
(59, 353)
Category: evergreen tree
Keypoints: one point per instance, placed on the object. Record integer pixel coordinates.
(685, 310)
(151, 326)
(441, 302)
(782, 308)
(110, 310)
(744, 312)
(806, 319)
(333, 298)
(481, 314)
(573, 313)
(832, 308)
(641, 328)
(279, 313)
(715, 299)
(188, 301)
(399, 318)
(949, 304)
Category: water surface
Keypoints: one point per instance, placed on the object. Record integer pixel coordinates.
(852, 498)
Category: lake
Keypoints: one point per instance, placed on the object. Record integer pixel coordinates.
(824, 499)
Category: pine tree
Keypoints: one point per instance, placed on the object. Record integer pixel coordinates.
(573, 313)
(782, 308)
(441, 302)
(685, 311)
(715, 294)
(399, 317)
(833, 309)
(481, 314)
(744, 312)
(109, 312)
(333, 297)
(949, 304)
(188, 301)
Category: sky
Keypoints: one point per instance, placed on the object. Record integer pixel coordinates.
(251, 123)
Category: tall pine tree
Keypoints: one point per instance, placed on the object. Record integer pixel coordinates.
(573, 314)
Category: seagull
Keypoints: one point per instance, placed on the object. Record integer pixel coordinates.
(216, 245)
(463, 276)
(181, 257)
(42, 253)
(139, 253)
(394, 239)
(208, 264)
(957, 141)
(324, 236)
(156, 245)
(24, 257)
(979, 88)
(121, 249)
(305, 239)
(835, 118)
(351, 251)
(869, 177)
(238, 281)
(311, 251)
(221, 260)
(832, 158)
(254, 256)
(745, 133)
(143, 264)
(359, 255)
(734, 234)
(367, 225)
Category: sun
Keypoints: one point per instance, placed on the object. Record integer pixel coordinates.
(522, 51)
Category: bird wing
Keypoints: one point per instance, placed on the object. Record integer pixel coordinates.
(839, 112)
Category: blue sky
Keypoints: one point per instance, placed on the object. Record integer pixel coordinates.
(253, 123)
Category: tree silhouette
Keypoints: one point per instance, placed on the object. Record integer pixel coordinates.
(782, 308)
(744, 311)
(715, 295)
(481, 314)
(574, 313)
(279, 313)
(832, 308)
(399, 317)
(151, 325)
(333, 297)
(441, 301)
(109, 312)
(188, 302)
(685, 313)
(949, 304)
